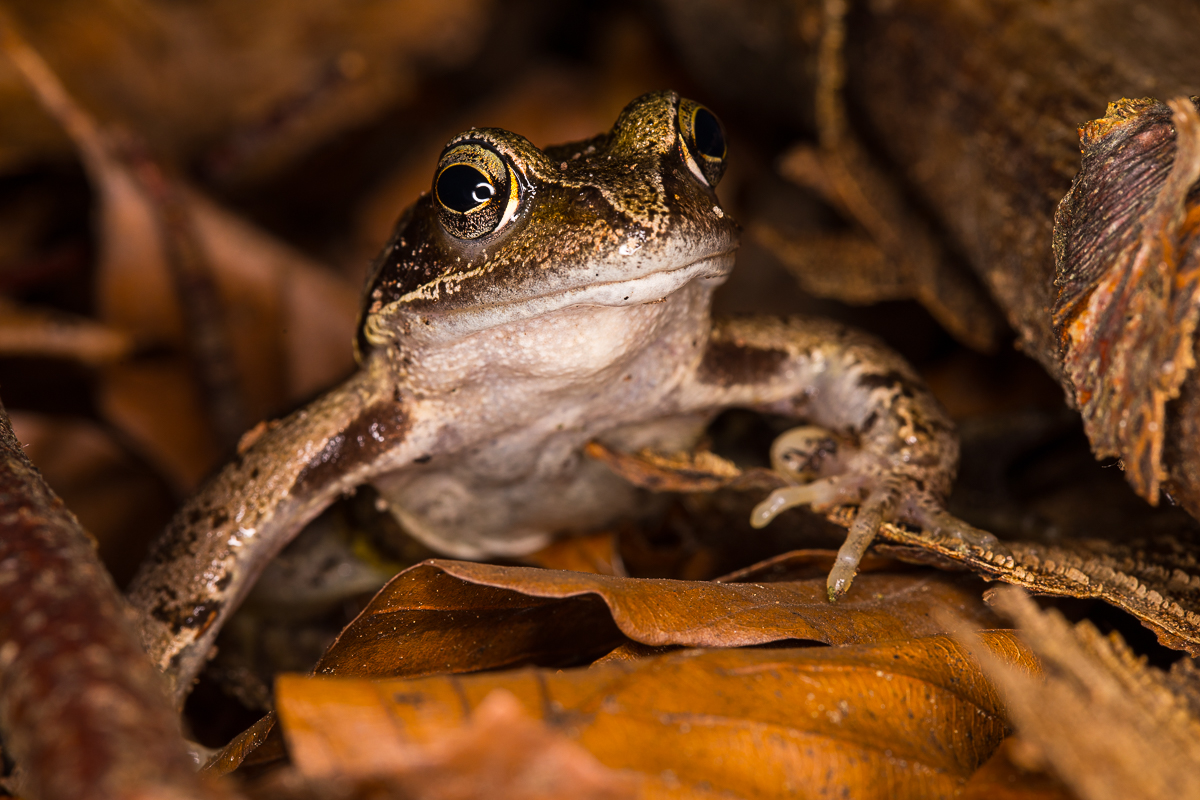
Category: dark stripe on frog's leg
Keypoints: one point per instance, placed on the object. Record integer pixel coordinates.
(375, 431)
(729, 363)
(887, 380)
(209, 556)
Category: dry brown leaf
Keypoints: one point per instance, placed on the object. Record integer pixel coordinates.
(849, 178)
(289, 321)
(1108, 725)
(700, 471)
(259, 743)
(864, 274)
(261, 324)
(452, 616)
(1159, 585)
(908, 720)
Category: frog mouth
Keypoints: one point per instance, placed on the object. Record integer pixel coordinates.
(651, 287)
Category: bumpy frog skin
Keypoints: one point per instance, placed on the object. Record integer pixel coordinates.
(533, 301)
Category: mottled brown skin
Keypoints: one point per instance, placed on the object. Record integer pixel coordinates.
(579, 311)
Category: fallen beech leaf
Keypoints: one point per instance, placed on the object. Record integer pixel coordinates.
(908, 720)
(272, 82)
(1158, 583)
(1107, 724)
(453, 616)
(289, 321)
(251, 746)
(849, 178)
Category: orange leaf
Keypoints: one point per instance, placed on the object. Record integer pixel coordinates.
(908, 720)
(451, 616)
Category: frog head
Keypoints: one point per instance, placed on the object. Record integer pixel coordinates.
(510, 232)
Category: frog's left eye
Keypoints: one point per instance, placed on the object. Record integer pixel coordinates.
(703, 140)
(476, 190)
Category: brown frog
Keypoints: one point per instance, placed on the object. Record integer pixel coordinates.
(532, 301)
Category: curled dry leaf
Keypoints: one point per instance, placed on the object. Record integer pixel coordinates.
(864, 275)
(700, 471)
(452, 616)
(1107, 724)
(1127, 263)
(1160, 586)
(907, 720)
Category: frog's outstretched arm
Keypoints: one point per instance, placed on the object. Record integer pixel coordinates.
(902, 452)
(205, 562)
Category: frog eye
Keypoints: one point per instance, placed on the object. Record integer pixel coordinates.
(476, 191)
(703, 140)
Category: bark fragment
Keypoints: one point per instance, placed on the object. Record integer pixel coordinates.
(1127, 252)
(82, 711)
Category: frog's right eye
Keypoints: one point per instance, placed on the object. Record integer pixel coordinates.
(703, 141)
(476, 191)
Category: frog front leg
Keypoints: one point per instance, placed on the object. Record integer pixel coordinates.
(208, 558)
(890, 449)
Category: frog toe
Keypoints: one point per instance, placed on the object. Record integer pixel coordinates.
(824, 471)
(927, 512)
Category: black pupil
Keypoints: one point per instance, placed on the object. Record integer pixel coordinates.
(706, 132)
(461, 188)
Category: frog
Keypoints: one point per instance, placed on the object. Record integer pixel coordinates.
(533, 301)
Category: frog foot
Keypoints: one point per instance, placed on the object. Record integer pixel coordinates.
(824, 472)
